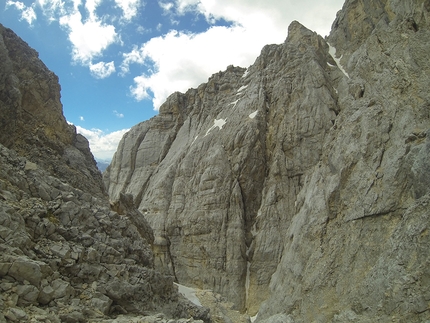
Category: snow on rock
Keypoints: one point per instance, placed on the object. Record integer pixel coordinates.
(252, 115)
(234, 103)
(332, 52)
(217, 123)
(241, 89)
(194, 139)
(189, 293)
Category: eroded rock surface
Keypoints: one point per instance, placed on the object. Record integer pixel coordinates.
(299, 187)
(32, 121)
(65, 255)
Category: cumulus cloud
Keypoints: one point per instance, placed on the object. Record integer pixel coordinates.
(135, 56)
(103, 145)
(130, 8)
(179, 60)
(52, 9)
(313, 14)
(27, 13)
(118, 115)
(89, 38)
(81, 118)
(102, 70)
(89, 35)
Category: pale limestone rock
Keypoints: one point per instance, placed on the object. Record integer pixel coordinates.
(302, 182)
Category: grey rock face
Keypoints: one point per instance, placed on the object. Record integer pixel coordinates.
(216, 182)
(302, 182)
(32, 121)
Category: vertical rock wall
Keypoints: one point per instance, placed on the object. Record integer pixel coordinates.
(301, 182)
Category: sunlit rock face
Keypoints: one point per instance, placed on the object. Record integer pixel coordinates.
(299, 187)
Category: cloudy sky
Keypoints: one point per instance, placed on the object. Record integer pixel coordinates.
(118, 60)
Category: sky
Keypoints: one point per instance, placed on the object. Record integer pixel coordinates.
(118, 60)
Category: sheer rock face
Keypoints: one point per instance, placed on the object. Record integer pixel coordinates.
(207, 171)
(302, 181)
(31, 117)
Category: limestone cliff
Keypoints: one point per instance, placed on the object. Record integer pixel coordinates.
(31, 117)
(299, 187)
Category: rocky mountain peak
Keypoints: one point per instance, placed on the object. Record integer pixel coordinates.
(292, 187)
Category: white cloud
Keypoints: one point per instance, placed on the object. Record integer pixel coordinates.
(89, 38)
(316, 15)
(27, 13)
(52, 9)
(102, 70)
(129, 7)
(118, 115)
(103, 145)
(166, 6)
(134, 56)
(81, 118)
(179, 60)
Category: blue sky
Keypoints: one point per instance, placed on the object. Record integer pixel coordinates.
(118, 60)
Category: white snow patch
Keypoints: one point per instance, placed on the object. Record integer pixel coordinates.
(245, 74)
(331, 65)
(194, 139)
(252, 115)
(234, 103)
(253, 318)
(217, 123)
(247, 281)
(242, 88)
(332, 52)
(189, 293)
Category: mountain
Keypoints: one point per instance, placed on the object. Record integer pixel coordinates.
(102, 164)
(32, 121)
(298, 188)
(66, 256)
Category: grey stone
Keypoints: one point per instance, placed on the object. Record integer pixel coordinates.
(28, 294)
(292, 189)
(16, 314)
(46, 295)
(25, 269)
(102, 303)
(62, 289)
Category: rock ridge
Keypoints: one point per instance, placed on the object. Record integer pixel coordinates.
(298, 188)
(31, 117)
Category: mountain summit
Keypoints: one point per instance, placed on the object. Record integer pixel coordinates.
(298, 188)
